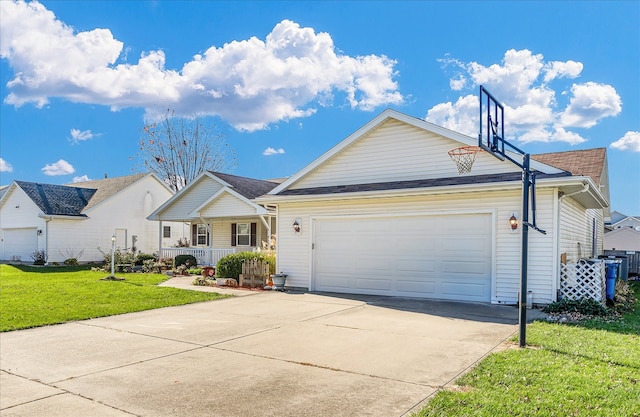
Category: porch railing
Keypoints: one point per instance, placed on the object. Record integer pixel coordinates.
(204, 256)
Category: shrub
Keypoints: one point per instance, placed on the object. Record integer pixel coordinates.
(230, 266)
(71, 262)
(188, 260)
(195, 271)
(119, 257)
(144, 257)
(584, 306)
(39, 257)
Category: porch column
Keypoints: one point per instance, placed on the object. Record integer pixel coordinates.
(159, 239)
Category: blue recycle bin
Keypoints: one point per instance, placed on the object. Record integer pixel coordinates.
(611, 275)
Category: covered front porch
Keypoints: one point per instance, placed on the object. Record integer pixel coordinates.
(222, 218)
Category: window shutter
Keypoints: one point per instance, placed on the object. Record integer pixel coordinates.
(233, 234)
(253, 233)
(194, 234)
(208, 244)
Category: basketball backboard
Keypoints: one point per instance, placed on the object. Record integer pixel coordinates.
(491, 133)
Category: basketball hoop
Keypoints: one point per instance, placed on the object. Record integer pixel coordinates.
(464, 157)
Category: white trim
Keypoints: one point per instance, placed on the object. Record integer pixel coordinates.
(447, 189)
(555, 279)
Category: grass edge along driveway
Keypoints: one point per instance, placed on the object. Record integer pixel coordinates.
(589, 369)
(39, 296)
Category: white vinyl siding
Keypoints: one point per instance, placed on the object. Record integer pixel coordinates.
(222, 233)
(190, 199)
(227, 205)
(576, 225)
(294, 249)
(396, 151)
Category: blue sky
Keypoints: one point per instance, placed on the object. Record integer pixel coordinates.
(286, 81)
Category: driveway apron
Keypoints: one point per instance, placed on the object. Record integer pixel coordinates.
(266, 354)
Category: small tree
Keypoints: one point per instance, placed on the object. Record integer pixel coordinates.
(178, 149)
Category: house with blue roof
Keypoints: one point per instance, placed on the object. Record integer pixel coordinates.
(78, 220)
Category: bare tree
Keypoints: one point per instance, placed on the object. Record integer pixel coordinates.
(178, 149)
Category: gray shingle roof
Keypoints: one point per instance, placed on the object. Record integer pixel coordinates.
(247, 187)
(411, 184)
(60, 200)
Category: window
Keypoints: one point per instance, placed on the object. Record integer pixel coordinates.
(201, 235)
(243, 234)
(166, 231)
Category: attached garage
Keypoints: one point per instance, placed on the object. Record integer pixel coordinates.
(386, 212)
(19, 243)
(428, 256)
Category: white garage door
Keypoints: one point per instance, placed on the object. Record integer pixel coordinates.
(19, 244)
(443, 256)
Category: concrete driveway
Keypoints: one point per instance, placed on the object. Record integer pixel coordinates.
(266, 354)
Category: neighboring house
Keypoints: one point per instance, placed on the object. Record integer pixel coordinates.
(222, 216)
(78, 220)
(623, 240)
(619, 220)
(385, 212)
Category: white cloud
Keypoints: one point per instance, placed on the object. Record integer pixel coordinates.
(532, 111)
(78, 135)
(250, 83)
(590, 103)
(61, 167)
(5, 166)
(630, 141)
(82, 178)
(557, 69)
(271, 151)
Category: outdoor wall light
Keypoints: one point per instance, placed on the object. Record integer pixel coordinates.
(39, 232)
(296, 225)
(513, 222)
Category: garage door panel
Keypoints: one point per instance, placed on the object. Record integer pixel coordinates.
(424, 265)
(427, 256)
(373, 284)
(463, 288)
(416, 287)
(465, 267)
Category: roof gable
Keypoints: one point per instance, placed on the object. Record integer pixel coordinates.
(395, 148)
(204, 189)
(107, 187)
(58, 200)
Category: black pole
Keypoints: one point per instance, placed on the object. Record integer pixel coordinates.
(526, 181)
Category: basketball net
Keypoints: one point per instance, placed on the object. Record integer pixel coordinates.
(464, 157)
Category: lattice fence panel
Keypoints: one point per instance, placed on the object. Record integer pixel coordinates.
(585, 279)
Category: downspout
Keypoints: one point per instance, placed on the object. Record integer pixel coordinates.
(160, 240)
(585, 188)
(46, 236)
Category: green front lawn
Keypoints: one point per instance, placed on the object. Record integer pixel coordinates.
(37, 296)
(590, 369)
